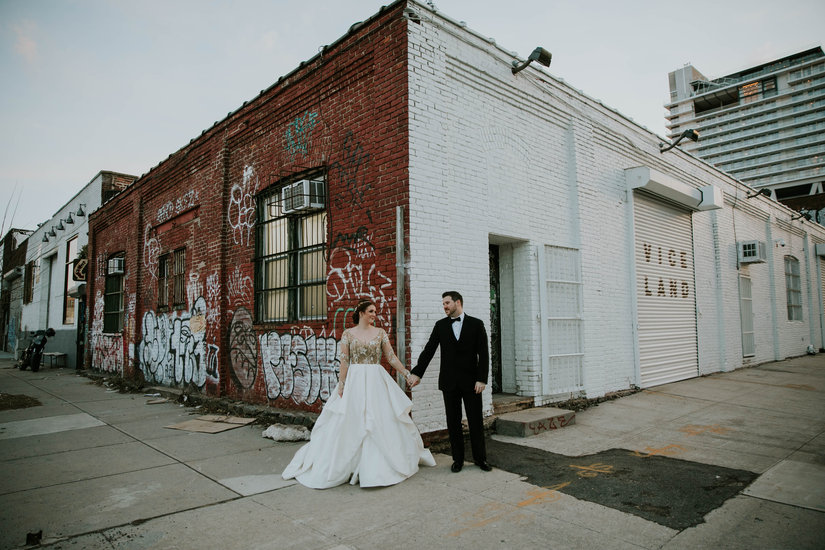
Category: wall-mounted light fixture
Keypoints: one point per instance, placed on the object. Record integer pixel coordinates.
(45, 238)
(803, 214)
(70, 220)
(60, 226)
(51, 232)
(764, 191)
(80, 211)
(691, 134)
(539, 54)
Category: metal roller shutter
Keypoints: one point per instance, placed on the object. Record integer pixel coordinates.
(665, 291)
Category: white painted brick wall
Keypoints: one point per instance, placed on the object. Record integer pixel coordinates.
(529, 161)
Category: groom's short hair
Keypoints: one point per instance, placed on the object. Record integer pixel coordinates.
(454, 295)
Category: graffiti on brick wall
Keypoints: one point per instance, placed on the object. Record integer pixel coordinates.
(299, 133)
(194, 288)
(213, 298)
(351, 171)
(241, 214)
(107, 353)
(107, 349)
(239, 286)
(151, 251)
(299, 366)
(349, 281)
(243, 348)
(173, 348)
(359, 242)
(171, 209)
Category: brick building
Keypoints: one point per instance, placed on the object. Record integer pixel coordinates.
(406, 159)
(11, 287)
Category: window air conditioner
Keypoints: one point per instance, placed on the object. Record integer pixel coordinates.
(116, 266)
(751, 252)
(303, 195)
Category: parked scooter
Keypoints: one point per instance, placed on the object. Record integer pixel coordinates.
(33, 353)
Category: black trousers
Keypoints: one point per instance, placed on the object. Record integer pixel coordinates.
(472, 405)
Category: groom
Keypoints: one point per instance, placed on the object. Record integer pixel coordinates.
(463, 375)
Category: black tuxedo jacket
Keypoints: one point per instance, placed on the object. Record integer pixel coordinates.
(464, 361)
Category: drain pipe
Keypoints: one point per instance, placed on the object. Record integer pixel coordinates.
(400, 293)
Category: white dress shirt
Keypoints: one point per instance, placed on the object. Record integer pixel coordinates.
(457, 326)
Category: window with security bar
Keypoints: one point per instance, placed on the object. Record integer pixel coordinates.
(113, 295)
(163, 283)
(179, 278)
(290, 263)
(793, 285)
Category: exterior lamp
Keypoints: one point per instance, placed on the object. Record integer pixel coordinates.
(764, 191)
(45, 238)
(80, 212)
(692, 135)
(51, 232)
(803, 214)
(539, 54)
(70, 220)
(60, 226)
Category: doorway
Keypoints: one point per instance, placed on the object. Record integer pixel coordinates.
(495, 319)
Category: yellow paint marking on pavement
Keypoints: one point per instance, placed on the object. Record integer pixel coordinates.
(593, 470)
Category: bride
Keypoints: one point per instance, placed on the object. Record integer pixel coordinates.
(364, 432)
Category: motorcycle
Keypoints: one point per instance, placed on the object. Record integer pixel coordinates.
(33, 353)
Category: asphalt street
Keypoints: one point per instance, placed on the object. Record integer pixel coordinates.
(732, 460)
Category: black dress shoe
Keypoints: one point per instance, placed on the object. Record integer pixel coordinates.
(456, 467)
(484, 466)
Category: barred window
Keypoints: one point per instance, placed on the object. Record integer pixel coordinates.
(793, 285)
(113, 294)
(179, 278)
(163, 283)
(290, 263)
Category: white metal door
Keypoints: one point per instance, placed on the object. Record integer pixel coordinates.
(665, 290)
(746, 315)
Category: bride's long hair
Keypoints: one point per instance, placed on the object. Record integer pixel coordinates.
(361, 307)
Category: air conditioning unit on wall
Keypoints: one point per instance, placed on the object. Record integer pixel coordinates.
(303, 195)
(116, 266)
(751, 252)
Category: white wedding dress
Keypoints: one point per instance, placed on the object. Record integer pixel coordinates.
(367, 435)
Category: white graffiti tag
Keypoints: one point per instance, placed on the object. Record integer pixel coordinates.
(349, 282)
(239, 286)
(241, 214)
(151, 251)
(303, 368)
(173, 351)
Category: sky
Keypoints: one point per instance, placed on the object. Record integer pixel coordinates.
(91, 85)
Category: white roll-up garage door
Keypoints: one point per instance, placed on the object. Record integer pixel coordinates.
(665, 290)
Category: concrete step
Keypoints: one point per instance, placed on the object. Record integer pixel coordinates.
(531, 422)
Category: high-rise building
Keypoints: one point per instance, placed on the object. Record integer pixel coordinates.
(764, 125)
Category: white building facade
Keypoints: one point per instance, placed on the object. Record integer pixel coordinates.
(596, 262)
(54, 289)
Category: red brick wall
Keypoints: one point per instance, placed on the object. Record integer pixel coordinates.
(345, 111)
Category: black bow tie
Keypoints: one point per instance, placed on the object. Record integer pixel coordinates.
(455, 319)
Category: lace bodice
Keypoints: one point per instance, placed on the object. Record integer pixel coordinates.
(365, 352)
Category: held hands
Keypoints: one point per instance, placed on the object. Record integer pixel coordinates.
(412, 380)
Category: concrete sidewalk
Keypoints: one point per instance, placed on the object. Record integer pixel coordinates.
(93, 468)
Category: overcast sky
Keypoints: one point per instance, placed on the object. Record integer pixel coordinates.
(90, 85)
